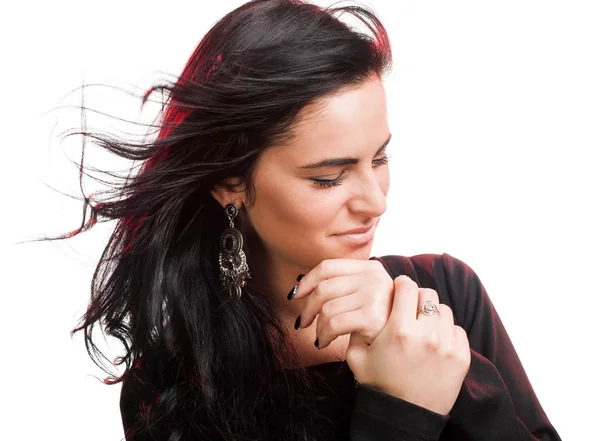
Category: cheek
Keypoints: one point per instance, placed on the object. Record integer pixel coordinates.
(313, 210)
(295, 216)
(321, 209)
(285, 213)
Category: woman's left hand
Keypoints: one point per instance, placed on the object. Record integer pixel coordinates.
(349, 295)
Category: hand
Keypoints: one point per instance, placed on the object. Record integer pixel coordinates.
(349, 296)
(418, 358)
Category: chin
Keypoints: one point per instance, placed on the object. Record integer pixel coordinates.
(361, 254)
(342, 252)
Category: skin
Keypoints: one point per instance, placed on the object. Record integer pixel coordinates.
(290, 227)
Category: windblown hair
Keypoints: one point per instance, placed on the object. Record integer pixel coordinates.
(217, 366)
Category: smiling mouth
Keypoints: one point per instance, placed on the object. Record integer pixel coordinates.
(359, 238)
(358, 231)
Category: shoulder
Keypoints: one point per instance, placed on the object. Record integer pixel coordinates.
(457, 285)
(426, 268)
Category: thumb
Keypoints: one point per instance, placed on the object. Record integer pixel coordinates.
(356, 354)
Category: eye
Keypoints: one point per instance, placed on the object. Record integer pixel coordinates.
(382, 161)
(324, 183)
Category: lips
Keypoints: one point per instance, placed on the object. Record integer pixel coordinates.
(361, 238)
(357, 230)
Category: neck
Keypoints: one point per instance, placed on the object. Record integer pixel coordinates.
(273, 275)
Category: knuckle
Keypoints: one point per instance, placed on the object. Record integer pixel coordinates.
(464, 352)
(461, 357)
(377, 266)
(322, 284)
(402, 334)
(325, 265)
(405, 281)
(351, 356)
(326, 309)
(467, 359)
(322, 287)
(383, 278)
(380, 321)
(377, 314)
(332, 325)
(375, 320)
(461, 333)
(403, 278)
(373, 264)
(432, 341)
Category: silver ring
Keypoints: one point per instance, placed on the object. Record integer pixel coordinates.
(429, 308)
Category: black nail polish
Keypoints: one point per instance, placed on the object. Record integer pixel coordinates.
(297, 324)
(300, 277)
(292, 293)
(317, 343)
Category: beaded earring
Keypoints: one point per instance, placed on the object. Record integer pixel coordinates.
(232, 259)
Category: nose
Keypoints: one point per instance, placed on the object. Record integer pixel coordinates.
(369, 195)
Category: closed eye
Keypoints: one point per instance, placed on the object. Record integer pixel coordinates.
(326, 183)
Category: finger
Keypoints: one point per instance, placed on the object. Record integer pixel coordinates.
(426, 294)
(461, 339)
(357, 351)
(326, 291)
(444, 328)
(324, 330)
(330, 268)
(341, 324)
(406, 297)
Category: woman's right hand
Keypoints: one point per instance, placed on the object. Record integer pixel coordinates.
(419, 358)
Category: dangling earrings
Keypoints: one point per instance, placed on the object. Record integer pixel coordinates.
(232, 259)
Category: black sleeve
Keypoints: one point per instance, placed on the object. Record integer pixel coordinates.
(378, 416)
(496, 401)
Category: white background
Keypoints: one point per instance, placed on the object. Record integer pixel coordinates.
(494, 109)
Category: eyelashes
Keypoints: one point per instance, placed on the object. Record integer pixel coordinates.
(326, 183)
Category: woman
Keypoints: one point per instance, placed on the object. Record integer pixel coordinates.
(238, 277)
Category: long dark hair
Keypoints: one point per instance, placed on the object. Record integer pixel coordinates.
(218, 367)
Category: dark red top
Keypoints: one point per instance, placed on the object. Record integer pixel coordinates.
(496, 401)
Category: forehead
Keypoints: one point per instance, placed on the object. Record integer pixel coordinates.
(352, 121)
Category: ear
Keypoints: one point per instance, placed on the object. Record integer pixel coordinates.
(224, 195)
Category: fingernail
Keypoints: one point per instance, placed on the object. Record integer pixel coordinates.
(317, 343)
(292, 292)
(300, 277)
(297, 324)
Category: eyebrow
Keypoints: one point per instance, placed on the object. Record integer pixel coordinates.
(334, 162)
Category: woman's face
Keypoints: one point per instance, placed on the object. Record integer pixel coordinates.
(299, 221)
